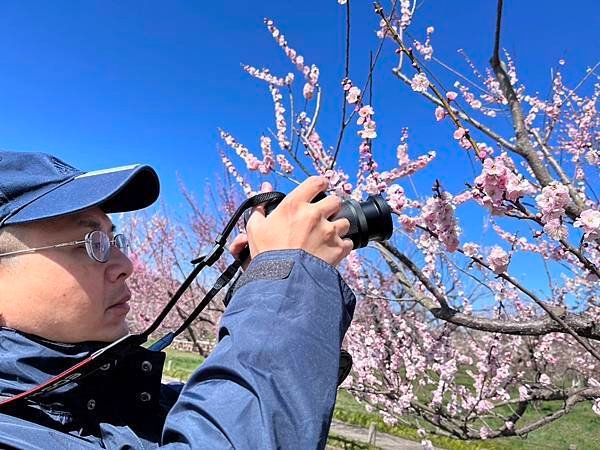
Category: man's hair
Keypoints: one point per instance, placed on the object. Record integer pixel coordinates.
(10, 240)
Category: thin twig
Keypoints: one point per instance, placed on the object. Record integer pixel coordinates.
(435, 90)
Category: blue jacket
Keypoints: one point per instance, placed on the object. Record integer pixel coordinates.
(270, 382)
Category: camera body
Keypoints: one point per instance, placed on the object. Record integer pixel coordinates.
(370, 220)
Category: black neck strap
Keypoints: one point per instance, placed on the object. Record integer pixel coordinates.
(111, 354)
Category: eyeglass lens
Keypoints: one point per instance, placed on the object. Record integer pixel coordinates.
(98, 245)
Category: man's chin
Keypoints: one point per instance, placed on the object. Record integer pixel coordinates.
(115, 334)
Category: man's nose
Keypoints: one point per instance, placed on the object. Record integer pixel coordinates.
(119, 265)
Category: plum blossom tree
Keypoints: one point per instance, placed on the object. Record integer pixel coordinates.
(447, 336)
(162, 249)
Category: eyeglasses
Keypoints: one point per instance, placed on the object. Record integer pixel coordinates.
(97, 243)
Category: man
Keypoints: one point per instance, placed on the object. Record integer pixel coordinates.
(269, 383)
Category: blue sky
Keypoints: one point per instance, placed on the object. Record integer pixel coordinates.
(107, 83)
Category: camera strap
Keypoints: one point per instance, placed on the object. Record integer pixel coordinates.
(112, 353)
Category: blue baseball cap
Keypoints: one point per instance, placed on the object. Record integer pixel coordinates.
(38, 186)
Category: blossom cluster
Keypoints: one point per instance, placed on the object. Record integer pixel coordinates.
(280, 124)
(461, 135)
(425, 49)
(268, 163)
(474, 102)
(365, 119)
(551, 204)
(398, 22)
(498, 182)
(438, 216)
(311, 73)
(238, 177)
(440, 112)
(498, 259)
(352, 92)
(265, 75)
(264, 166)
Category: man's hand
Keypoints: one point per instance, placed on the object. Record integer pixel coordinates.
(241, 240)
(297, 223)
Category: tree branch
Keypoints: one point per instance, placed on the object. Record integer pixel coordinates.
(582, 325)
(523, 147)
(481, 127)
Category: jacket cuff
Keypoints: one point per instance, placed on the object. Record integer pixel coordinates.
(268, 269)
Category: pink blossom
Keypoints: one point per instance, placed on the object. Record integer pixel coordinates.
(308, 91)
(463, 198)
(545, 379)
(498, 260)
(368, 131)
(451, 95)
(365, 111)
(409, 224)
(406, 13)
(459, 133)
(484, 432)
(338, 181)
(285, 166)
(395, 197)
(419, 83)
(233, 171)
(353, 95)
(523, 393)
(440, 113)
(402, 149)
(470, 249)
(589, 220)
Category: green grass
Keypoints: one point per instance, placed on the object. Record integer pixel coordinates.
(580, 427)
(180, 365)
(350, 411)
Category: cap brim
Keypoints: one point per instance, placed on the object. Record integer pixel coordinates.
(114, 190)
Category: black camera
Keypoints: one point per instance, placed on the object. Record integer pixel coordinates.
(370, 220)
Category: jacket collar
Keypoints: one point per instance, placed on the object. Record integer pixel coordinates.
(27, 361)
(128, 392)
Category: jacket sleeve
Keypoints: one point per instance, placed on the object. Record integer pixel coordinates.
(271, 380)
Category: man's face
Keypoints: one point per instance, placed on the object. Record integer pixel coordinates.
(62, 294)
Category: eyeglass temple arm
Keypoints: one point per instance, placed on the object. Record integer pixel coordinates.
(47, 247)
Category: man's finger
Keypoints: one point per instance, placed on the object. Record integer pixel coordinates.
(308, 189)
(329, 206)
(342, 226)
(238, 244)
(264, 187)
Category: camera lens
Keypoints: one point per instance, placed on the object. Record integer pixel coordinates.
(370, 220)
